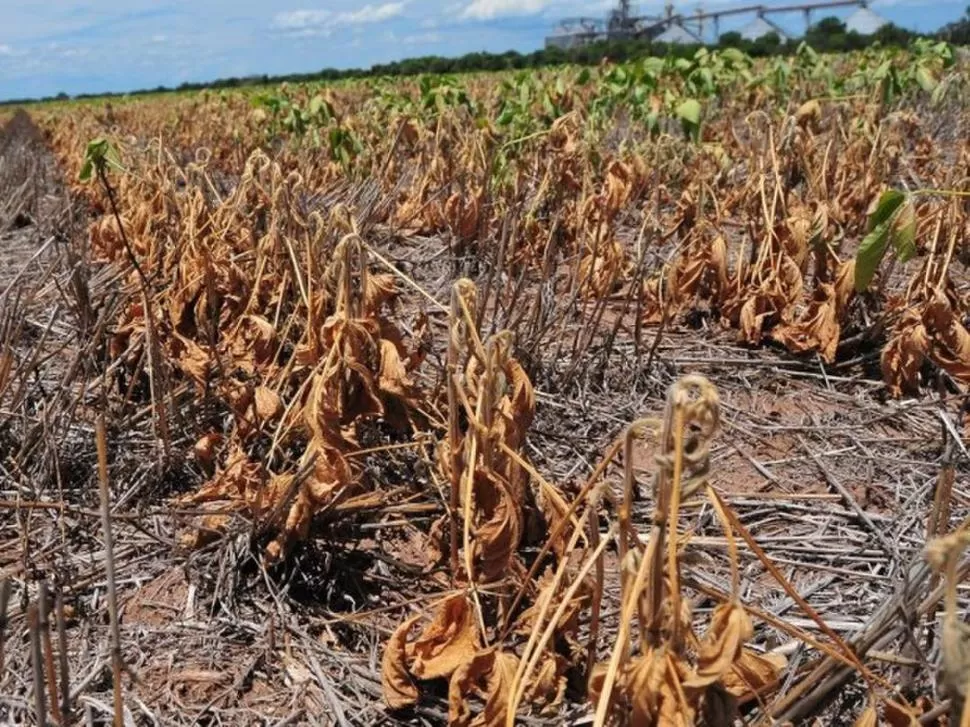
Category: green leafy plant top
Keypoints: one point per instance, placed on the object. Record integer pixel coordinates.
(99, 155)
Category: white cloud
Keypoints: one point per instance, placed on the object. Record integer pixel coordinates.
(5, 50)
(487, 9)
(303, 23)
(159, 38)
(299, 19)
(429, 23)
(371, 14)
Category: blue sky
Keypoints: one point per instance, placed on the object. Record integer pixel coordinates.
(116, 45)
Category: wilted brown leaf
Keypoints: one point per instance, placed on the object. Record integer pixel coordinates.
(194, 361)
(903, 355)
(498, 529)
(488, 674)
(721, 646)
(399, 690)
(949, 340)
(809, 114)
(547, 593)
(751, 673)
(267, 403)
(818, 328)
(205, 448)
(448, 641)
(699, 273)
(599, 268)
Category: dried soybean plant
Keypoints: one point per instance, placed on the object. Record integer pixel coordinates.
(470, 638)
(668, 674)
(352, 367)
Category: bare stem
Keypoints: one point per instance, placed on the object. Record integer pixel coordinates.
(116, 662)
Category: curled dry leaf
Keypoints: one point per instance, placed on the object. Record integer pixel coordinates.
(399, 690)
(600, 267)
(949, 340)
(205, 448)
(817, 330)
(254, 345)
(547, 688)
(462, 214)
(447, 642)
(267, 403)
(498, 527)
(699, 273)
(489, 675)
(194, 361)
(568, 624)
(903, 355)
(753, 673)
(619, 186)
(809, 114)
(722, 645)
(648, 689)
(237, 477)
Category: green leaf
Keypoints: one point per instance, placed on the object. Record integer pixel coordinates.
(86, 170)
(316, 103)
(892, 223)
(99, 155)
(903, 232)
(689, 111)
(734, 56)
(506, 117)
(548, 105)
(583, 77)
(112, 158)
(889, 202)
(870, 254)
(925, 78)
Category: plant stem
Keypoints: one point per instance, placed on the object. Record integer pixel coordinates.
(116, 662)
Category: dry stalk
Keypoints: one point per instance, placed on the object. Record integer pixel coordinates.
(527, 667)
(567, 519)
(939, 518)
(37, 667)
(43, 622)
(116, 660)
(65, 674)
(5, 589)
(462, 290)
(944, 554)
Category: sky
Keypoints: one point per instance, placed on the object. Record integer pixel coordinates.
(53, 46)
